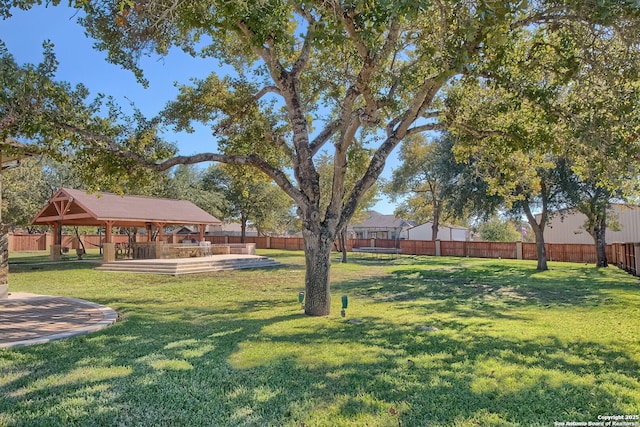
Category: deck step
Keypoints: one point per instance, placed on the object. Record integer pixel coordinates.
(190, 266)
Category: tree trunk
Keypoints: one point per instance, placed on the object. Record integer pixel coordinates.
(4, 261)
(317, 251)
(541, 250)
(598, 234)
(435, 225)
(4, 248)
(538, 231)
(243, 228)
(434, 228)
(77, 231)
(343, 245)
(58, 240)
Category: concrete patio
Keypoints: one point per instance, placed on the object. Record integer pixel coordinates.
(27, 319)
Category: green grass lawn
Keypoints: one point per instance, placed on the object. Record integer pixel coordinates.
(426, 341)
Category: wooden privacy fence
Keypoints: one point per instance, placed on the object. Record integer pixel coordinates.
(563, 252)
(626, 256)
(41, 242)
(620, 254)
(29, 242)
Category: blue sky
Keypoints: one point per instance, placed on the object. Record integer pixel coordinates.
(25, 32)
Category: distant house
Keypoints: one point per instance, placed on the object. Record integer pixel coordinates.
(445, 232)
(569, 227)
(192, 230)
(380, 226)
(235, 229)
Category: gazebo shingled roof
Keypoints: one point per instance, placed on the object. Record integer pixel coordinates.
(77, 207)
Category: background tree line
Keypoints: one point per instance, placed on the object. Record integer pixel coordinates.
(231, 194)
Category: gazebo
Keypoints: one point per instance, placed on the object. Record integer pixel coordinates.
(69, 207)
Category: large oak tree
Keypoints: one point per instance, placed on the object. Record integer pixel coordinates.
(309, 73)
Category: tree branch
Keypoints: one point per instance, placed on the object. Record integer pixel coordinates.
(390, 128)
(432, 114)
(265, 90)
(229, 120)
(347, 21)
(392, 38)
(548, 16)
(108, 144)
(7, 121)
(303, 59)
(251, 160)
(282, 143)
(262, 51)
(11, 146)
(425, 128)
(423, 98)
(324, 136)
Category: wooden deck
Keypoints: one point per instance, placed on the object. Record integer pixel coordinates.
(179, 266)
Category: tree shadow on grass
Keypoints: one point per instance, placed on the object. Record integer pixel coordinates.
(263, 363)
(483, 286)
(28, 267)
(144, 370)
(438, 376)
(259, 361)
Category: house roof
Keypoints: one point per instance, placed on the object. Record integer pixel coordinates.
(226, 227)
(77, 207)
(453, 227)
(235, 227)
(376, 220)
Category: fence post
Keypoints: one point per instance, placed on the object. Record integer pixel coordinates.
(268, 242)
(438, 250)
(636, 252)
(519, 249)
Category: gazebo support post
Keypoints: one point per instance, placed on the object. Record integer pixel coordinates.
(55, 250)
(159, 241)
(109, 248)
(201, 231)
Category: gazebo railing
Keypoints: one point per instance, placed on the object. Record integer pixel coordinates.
(186, 250)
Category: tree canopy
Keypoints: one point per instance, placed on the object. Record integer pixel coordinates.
(310, 73)
(426, 171)
(249, 197)
(498, 230)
